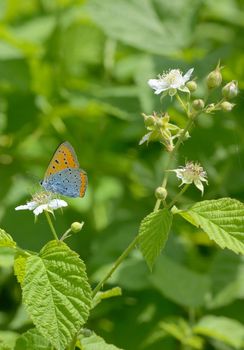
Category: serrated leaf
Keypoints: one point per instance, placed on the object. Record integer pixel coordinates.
(221, 219)
(94, 342)
(6, 240)
(224, 329)
(56, 293)
(32, 339)
(20, 267)
(7, 340)
(154, 230)
(6, 257)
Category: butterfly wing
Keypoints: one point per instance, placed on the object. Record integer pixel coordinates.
(63, 158)
(71, 182)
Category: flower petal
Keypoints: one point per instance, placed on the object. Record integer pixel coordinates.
(188, 74)
(199, 185)
(57, 203)
(28, 206)
(40, 209)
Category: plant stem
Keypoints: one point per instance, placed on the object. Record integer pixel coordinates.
(51, 225)
(116, 264)
(174, 200)
(171, 156)
(156, 207)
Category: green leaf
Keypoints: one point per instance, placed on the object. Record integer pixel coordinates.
(181, 330)
(20, 267)
(224, 329)
(6, 257)
(7, 340)
(221, 219)
(137, 23)
(185, 287)
(94, 342)
(154, 230)
(32, 339)
(6, 240)
(56, 293)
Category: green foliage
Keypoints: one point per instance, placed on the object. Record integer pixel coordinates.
(222, 220)
(6, 240)
(56, 292)
(94, 342)
(32, 339)
(7, 340)
(154, 230)
(224, 329)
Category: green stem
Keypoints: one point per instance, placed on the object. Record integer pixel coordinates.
(51, 225)
(65, 235)
(182, 103)
(174, 200)
(116, 264)
(171, 156)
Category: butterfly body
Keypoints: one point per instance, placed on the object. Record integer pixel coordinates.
(63, 175)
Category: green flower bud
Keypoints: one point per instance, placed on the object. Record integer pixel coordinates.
(227, 106)
(149, 120)
(161, 193)
(76, 226)
(198, 104)
(192, 85)
(230, 90)
(214, 79)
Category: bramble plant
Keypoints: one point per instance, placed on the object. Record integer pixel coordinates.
(55, 287)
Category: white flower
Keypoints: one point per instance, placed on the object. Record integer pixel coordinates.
(43, 201)
(192, 173)
(171, 82)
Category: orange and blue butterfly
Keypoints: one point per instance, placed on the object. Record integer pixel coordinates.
(63, 175)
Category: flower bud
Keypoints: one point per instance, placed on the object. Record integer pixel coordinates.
(198, 104)
(214, 79)
(149, 120)
(230, 90)
(227, 106)
(76, 226)
(161, 193)
(192, 85)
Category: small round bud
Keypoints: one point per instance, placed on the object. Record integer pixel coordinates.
(76, 226)
(227, 106)
(230, 90)
(149, 120)
(192, 85)
(214, 79)
(198, 104)
(161, 193)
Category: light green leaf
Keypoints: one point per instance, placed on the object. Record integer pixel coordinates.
(224, 329)
(32, 339)
(185, 287)
(20, 267)
(137, 23)
(6, 257)
(7, 340)
(154, 230)
(56, 293)
(221, 219)
(94, 342)
(181, 330)
(6, 240)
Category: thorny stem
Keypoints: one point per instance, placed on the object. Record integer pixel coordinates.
(51, 225)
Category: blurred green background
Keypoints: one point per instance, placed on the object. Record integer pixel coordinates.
(78, 71)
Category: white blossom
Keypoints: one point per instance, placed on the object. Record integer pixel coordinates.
(192, 173)
(170, 82)
(42, 201)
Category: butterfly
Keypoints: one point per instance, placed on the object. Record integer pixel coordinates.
(63, 175)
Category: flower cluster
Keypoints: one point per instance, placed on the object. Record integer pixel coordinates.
(160, 129)
(43, 201)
